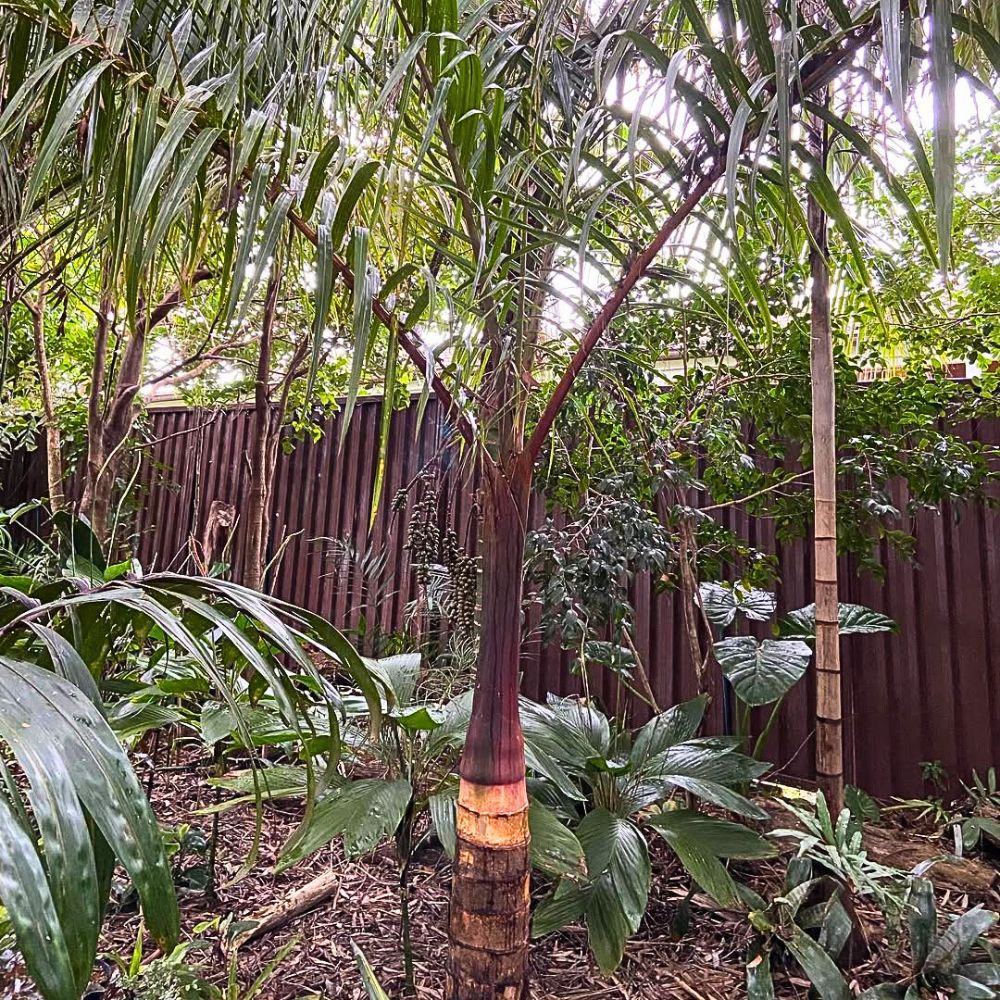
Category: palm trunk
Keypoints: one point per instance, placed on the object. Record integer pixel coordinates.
(53, 444)
(829, 717)
(490, 904)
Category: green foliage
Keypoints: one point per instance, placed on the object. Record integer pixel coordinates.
(609, 785)
(836, 846)
(940, 960)
(66, 644)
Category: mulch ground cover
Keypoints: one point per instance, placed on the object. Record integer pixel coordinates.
(703, 960)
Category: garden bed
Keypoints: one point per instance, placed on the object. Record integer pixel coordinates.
(704, 961)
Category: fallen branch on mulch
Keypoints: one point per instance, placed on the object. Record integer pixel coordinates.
(302, 900)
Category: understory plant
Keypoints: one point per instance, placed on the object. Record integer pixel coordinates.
(72, 806)
(940, 959)
(761, 672)
(609, 785)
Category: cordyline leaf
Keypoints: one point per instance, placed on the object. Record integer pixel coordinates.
(762, 673)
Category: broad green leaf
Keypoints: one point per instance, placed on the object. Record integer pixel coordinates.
(442, 807)
(719, 795)
(854, 619)
(668, 728)
(43, 714)
(720, 837)
(763, 672)
(618, 863)
(25, 892)
(892, 51)
(317, 176)
(131, 719)
(949, 950)
(555, 849)
(721, 604)
(399, 674)
(566, 904)
(363, 812)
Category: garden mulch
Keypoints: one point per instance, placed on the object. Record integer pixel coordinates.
(702, 961)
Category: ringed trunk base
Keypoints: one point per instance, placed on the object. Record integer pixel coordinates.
(490, 900)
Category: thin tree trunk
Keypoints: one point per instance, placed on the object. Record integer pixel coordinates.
(53, 443)
(260, 464)
(490, 900)
(829, 716)
(93, 504)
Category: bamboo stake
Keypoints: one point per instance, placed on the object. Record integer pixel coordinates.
(829, 714)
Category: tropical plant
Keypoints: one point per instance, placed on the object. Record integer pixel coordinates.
(416, 750)
(63, 643)
(762, 671)
(447, 161)
(940, 959)
(983, 802)
(609, 785)
(837, 848)
(783, 926)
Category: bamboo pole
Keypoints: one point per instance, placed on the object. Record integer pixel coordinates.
(829, 713)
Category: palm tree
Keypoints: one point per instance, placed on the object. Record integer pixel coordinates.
(487, 183)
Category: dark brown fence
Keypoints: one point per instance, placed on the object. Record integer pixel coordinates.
(929, 692)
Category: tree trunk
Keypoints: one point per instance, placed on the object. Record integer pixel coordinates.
(53, 443)
(490, 903)
(261, 468)
(829, 717)
(94, 502)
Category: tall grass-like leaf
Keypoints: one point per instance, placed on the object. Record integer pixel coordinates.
(943, 89)
(53, 728)
(348, 202)
(324, 296)
(67, 117)
(892, 50)
(363, 293)
(176, 196)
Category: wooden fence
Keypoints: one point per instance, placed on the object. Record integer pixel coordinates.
(930, 692)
